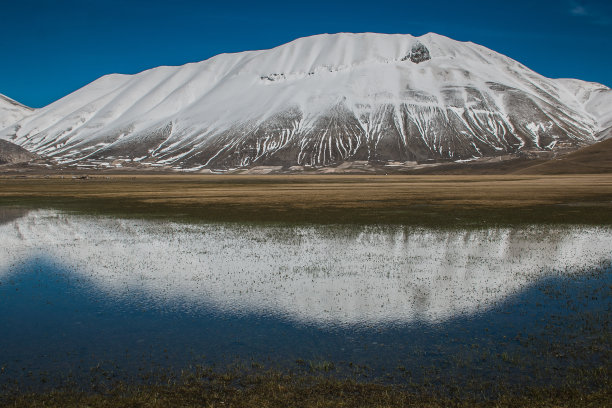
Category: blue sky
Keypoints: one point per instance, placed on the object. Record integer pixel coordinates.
(50, 48)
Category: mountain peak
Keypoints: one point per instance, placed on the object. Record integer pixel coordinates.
(317, 101)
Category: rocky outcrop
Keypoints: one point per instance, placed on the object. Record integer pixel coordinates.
(418, 54)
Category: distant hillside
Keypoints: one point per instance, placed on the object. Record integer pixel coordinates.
(596, 158)
(10, 153)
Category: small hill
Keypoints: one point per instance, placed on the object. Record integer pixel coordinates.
(10, 153)
(596, 158)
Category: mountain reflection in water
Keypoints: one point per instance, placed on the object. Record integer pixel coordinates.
(316, 274)
(76, 290)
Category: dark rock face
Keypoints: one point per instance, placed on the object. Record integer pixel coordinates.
(418, 54)
(10, 153)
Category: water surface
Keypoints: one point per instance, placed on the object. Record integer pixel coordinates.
(82, 295)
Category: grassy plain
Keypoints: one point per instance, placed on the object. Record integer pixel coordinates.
(431, 200)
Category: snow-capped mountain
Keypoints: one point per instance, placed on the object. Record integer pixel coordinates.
(12, 111)
(319, 101)
(597, 101)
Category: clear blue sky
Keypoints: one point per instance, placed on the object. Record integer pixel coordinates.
(50, 48)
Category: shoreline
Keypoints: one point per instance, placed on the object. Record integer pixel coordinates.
(432, 201)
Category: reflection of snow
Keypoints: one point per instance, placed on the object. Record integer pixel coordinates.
(315, 274)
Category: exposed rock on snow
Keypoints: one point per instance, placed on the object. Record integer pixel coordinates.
(418, 54)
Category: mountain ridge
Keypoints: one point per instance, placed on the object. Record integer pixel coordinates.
(319, 101)
(12, 111)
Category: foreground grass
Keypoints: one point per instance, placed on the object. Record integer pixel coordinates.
(438, 201)
(281, 390)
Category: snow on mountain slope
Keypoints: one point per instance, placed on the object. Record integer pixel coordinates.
(319, 101)
(596, 99)
(11, 111)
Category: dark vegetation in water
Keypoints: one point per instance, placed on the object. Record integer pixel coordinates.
(422, 215)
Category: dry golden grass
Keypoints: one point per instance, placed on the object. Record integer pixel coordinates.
(308, 191)
(398, 198)
(596, 158)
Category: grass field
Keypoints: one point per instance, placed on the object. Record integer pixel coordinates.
(432, 200)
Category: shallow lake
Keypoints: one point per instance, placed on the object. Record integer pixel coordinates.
(84, 296)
